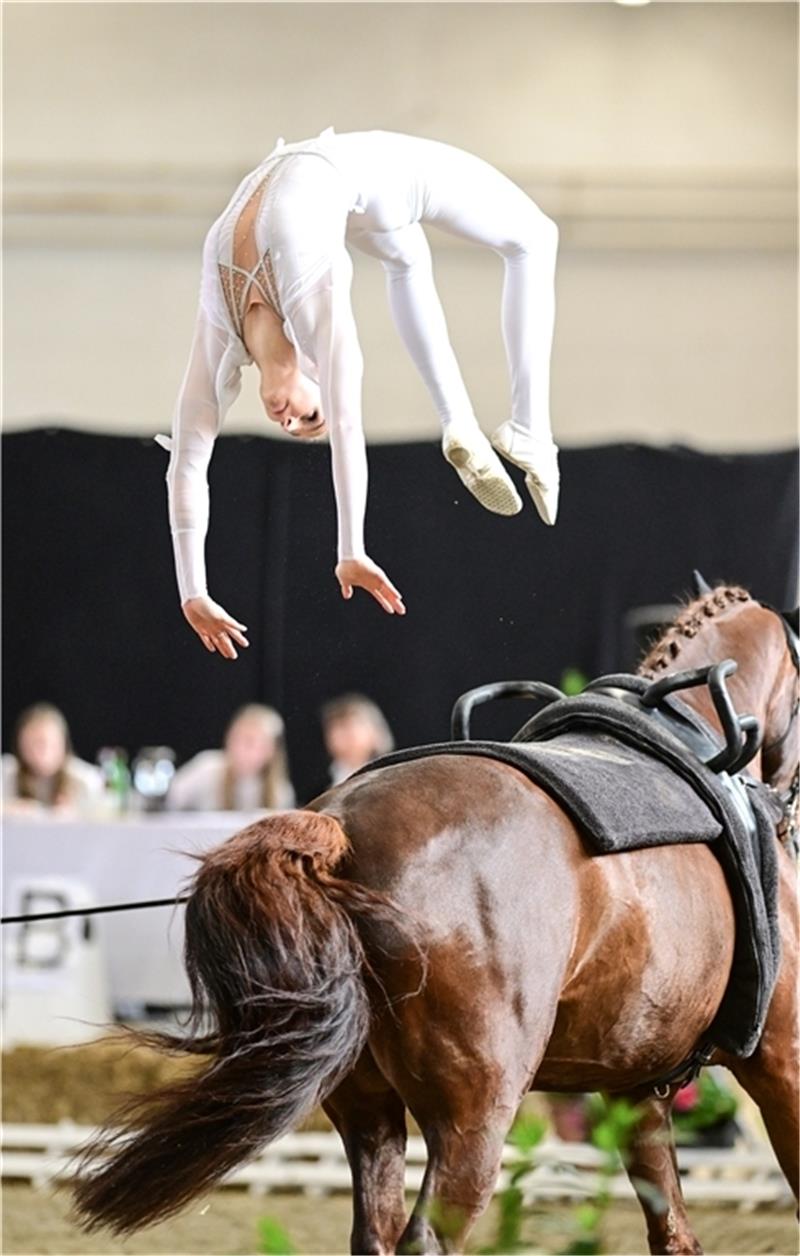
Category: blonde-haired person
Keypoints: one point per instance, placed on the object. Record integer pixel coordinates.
(250, 772)
(355, 732)
(42, 772)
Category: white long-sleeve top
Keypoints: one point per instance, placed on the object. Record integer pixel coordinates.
(295, 214)
(311, 192)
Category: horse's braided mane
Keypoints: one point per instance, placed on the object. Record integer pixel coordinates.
(688, 624)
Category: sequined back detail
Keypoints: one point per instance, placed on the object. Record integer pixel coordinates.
(248, 279)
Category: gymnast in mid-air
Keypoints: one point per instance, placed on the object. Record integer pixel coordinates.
(275, 291)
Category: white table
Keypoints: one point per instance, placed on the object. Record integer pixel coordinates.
(141, 857)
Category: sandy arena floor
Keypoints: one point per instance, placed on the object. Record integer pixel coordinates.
(35, 1223)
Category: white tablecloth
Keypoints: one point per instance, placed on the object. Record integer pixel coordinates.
(119, 861)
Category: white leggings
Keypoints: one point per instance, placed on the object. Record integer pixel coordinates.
(374, 190)
(467, 197)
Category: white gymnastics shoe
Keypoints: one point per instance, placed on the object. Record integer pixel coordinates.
(538, 458)
(467, 450)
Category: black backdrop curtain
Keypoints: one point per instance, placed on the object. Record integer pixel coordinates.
(92, 621)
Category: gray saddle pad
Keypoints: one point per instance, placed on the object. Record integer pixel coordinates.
(622, 797)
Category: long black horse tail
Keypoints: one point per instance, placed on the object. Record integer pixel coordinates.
(276, 964)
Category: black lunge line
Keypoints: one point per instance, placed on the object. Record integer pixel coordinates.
(94, 911)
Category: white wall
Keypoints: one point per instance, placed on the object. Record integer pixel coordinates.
(662, 139)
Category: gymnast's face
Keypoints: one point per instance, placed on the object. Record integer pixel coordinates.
(294, 403)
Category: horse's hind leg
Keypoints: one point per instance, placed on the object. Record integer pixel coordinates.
(463, 1165)
(464, 1118)
(370, 1118)
(653, 1170)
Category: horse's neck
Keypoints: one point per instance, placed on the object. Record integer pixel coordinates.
(749, 692)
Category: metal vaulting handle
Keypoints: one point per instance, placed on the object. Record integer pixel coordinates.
(680, 680)
(749, 747)
(742, 732)
(462, 711)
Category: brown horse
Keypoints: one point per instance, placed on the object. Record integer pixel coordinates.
(434, 937)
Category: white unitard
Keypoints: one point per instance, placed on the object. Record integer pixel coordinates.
(371, 190)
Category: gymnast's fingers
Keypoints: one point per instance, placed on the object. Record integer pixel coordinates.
(208, 643)
(388, 587)
(392, 595)
(382, 601)
(225, 646)
(396, 599)
(238, 637)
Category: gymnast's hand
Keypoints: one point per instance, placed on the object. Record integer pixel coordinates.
(363, 573)
(215, 627)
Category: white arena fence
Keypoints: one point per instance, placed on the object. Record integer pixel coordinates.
(315, 1164)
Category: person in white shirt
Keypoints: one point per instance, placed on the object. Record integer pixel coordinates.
(43, 773)
(275, 290)
(250, 773)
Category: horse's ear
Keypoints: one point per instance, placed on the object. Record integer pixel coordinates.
(700, 585)
(793, 620)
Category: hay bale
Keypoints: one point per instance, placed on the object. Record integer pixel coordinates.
(82, 1083)
(88, 1082)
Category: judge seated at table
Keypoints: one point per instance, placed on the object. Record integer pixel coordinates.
(355, 732)
(42, 773)
(250, 772)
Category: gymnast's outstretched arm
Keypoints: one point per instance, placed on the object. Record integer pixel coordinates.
(195, 426)
(326, 332)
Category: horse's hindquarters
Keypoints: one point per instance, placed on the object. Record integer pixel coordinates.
(651, 964)
(578, 972)
(488, 865)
